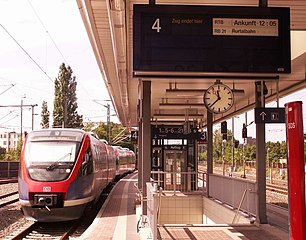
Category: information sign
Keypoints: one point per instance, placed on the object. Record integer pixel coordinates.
(174, 132)
(211, 39)
(245, 27)
(269, 115)
(203, 138)
(134, 137)
(168, 132)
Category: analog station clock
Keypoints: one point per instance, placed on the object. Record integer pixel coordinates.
(218, 98)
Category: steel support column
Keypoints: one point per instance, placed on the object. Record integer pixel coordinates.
(209, 149)
(296, 171)
(261, 211)
(146, 139)
(140, 162)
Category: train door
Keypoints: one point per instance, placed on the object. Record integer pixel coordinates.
(175, 165)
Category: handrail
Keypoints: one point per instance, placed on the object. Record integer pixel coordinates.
(238, 209)
(159, 203)
(180, 181)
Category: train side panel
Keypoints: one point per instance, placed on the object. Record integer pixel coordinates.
(111, 160)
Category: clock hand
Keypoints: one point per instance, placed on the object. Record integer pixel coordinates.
(215, 102)
(218, 95)
(218, 98)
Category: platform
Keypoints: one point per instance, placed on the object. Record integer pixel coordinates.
(118, 219)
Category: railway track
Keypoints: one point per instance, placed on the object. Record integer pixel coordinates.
(46, 231)
(8, 199)
(61, 230)
(6, 181)
(278, 186)
(277, 189)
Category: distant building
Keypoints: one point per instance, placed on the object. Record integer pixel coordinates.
(250, 141)
(9, 140)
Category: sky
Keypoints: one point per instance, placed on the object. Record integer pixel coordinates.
(37, 36)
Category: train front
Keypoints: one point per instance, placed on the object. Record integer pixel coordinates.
(50, 185)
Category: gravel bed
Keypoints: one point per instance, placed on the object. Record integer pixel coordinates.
(7, 188)
(11, 217)
(277, 199)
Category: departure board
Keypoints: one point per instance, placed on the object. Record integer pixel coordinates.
(192, 38)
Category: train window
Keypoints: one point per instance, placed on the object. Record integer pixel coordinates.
(87, 164)
(50, 160)
(51, 151)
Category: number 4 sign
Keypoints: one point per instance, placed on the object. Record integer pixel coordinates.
(156, 25)
(134, 137)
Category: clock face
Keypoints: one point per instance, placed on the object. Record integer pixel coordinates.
(218, 98)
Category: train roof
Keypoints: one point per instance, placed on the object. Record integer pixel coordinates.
(54, 134)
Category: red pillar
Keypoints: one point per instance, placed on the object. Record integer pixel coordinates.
(296, 171)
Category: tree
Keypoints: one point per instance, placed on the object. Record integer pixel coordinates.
(14, 154)
(101, 130)
(45, 115)
(89, 127)
(65, 100)
(217, 147)
(2, 153)
(119, 135)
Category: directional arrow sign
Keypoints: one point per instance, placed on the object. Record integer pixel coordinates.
(270, 115)
(263, 114)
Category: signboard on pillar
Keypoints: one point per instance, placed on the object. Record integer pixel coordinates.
(177, 132)
(168, 132)
(269, 115)
(203, 138)
(134, 137)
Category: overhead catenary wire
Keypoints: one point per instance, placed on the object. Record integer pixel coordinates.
(47, 32)
(7, 114)
(26, 53)
(36, 11)
(56, 46)
(12, 85)
(17, 115)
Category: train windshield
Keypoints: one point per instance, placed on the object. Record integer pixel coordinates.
(50, 160)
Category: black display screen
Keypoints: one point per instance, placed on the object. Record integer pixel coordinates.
(211, 39)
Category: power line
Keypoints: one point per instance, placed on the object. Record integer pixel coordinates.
(46, 30)
(7, 114)
(12, 85)
(44, 27)
(17, 115)
(26, 52)
(41, 22)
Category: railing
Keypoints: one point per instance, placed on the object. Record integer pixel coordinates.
(180, 181)
(152, 207)
(9, 169)
(236, 192)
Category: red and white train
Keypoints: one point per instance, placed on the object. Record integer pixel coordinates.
(64, 170)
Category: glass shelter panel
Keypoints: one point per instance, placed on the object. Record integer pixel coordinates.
(175, 165)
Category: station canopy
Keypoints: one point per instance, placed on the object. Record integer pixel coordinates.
(178, 96)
